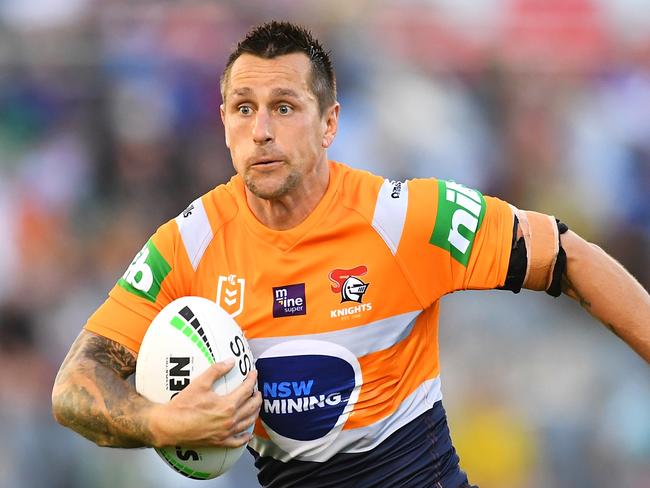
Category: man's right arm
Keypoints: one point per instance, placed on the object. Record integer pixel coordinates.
(93, 397)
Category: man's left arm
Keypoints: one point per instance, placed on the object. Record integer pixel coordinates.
(607, 291)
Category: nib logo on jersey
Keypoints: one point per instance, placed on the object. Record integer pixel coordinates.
(308, 388)
(352, 288)
(145, 274)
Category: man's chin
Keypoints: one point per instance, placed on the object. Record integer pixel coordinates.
(267, 194)
(268, 190)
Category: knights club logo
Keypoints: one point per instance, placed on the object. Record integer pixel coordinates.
(230, 294)
(348, 284)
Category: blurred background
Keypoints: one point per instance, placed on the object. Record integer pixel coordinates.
(109, 126)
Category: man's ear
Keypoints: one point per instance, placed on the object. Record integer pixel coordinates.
(222, 112)
(331, 120)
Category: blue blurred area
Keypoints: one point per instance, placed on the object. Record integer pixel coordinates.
(109, 126)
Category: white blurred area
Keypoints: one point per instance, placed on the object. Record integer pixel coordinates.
(109, 126)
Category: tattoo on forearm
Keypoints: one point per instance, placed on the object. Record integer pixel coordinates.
(569, 289)
(611, 327)
(94, 396)
(112, 355)
(583, 303)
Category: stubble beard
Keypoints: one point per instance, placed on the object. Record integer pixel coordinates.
(289, 183)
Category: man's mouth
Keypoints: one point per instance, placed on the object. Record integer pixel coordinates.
(266, 163)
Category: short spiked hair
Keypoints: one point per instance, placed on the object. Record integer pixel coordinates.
(274, 39)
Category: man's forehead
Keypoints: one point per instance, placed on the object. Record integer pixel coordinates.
(282, 73)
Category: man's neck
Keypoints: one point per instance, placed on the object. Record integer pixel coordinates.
(293, 208)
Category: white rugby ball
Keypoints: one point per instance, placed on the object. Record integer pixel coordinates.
(183, 340)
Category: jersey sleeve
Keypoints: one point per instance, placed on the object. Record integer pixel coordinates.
(159, 273)
(454, 238)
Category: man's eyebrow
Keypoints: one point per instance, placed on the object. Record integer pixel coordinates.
(284, 92)
(241, 91)
(276, 92)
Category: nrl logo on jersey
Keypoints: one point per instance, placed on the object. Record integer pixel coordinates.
(352, 288)
(230, 294)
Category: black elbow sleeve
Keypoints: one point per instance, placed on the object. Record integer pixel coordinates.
(519, 262)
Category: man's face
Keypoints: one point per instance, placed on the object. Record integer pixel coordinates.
(274, 130)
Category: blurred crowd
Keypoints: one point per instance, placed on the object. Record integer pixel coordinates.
(109, 126)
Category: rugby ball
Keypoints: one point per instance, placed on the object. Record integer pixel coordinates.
(183, 340)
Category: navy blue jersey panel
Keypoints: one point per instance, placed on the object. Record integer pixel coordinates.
(419, 455)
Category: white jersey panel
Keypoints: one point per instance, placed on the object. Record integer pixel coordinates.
(195, 229)
(390, 212)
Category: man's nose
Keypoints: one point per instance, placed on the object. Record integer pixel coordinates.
(262, 130)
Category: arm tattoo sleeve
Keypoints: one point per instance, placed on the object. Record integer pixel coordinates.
(93, 396)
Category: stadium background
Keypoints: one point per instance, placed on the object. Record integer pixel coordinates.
(109, 126)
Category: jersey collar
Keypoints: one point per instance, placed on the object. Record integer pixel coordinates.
(286, 239)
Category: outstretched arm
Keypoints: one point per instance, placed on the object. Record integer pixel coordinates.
(582, 271)
(92, 396)
(608, 292)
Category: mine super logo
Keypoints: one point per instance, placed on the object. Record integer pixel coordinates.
(289, 300)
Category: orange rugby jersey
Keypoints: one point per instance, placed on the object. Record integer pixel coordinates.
(341, 312)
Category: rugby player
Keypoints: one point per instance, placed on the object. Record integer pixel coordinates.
(335, 275)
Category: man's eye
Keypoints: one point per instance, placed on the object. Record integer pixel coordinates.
(245, 110)
(284, 109)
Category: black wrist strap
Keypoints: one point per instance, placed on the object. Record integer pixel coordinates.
(555, 290)
(519, 262)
